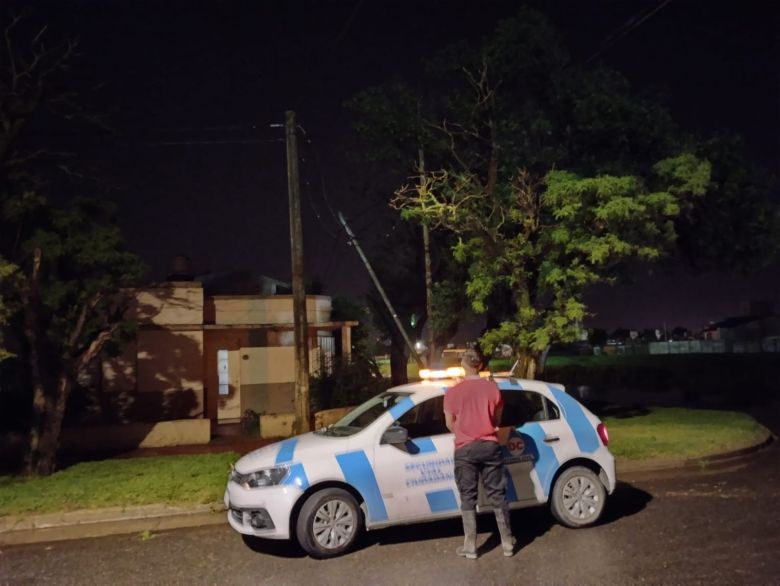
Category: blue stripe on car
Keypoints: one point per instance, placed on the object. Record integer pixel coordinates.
(442, 500)
(581, 427)
(297, 477)
(545, 461)
(401, 407)
(506, 385)
(425, 445)
(358, 472)
(286, 450)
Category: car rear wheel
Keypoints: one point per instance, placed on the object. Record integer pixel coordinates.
(578, 497)
(329, 523)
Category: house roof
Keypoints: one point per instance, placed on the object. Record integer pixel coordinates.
(241, 282)
(733, 322)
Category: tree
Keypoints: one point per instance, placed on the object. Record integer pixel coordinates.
(7, 272)
(67, 295)
(550, 184)
(548, 240)
(736, 226)
(392, 123)
(597, 337)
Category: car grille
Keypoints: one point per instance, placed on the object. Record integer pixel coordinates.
(253, 519)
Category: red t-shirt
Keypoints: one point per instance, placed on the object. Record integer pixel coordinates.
(473, 402)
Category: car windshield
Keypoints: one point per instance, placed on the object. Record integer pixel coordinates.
(364, 415)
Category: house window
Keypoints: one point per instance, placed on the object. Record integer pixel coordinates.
(223, 370)
(326, 348)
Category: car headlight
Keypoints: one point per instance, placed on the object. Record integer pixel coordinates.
(266, 477)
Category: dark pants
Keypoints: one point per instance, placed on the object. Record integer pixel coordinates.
(480, 459)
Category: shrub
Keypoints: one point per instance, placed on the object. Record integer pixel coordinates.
(350, 383)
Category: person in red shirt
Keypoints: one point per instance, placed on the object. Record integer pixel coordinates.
(472, 411)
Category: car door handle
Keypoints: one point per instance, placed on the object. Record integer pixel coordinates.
(551, 438)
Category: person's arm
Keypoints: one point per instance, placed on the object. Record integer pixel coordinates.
(449, 421)
(499, 411)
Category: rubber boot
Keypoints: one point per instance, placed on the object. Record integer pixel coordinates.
(505, 531)
(469, 549)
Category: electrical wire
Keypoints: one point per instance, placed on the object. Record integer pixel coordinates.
(226, 141)
(628, 26)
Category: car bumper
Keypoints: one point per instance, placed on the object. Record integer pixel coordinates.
(262, 512)
(608, 475)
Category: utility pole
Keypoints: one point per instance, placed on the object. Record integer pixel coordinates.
(428, 275)
(381, 290)
(302, 406)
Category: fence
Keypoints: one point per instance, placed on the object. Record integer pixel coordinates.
(714, 347)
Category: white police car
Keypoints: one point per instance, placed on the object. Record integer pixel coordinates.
(390, 461)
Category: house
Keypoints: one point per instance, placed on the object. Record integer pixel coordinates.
(212, 357)
(758, 330)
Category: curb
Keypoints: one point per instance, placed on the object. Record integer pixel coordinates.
(628, 470)
(29, 529)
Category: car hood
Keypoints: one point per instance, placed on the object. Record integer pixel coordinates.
(301, 447)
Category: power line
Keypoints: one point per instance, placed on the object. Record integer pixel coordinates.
(628, 26)
(225, 141)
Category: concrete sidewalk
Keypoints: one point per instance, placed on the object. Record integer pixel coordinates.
(26, 529)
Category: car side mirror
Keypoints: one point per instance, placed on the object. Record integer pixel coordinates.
(395, 434)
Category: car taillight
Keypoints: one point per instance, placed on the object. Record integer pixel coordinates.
(603, 433)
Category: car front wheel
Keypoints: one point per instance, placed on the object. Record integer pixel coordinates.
(578, 497)
(329, 523)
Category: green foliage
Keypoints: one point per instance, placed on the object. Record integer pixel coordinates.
(365, 335)
(737, 225)
(390, 123)
(548, 241)
(349, 384)
(549, 181)
(84, 265)
(66, 299)
(555, 177)
(7, 272)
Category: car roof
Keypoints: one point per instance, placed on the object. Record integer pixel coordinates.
(503, 382)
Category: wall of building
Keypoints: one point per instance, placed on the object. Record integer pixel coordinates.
(169, 304)
(172, 370)
(278, 309)
(160, 376)
(268, 379)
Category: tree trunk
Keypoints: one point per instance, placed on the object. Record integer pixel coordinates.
(399, 360)
(44, 459)
(528, 364)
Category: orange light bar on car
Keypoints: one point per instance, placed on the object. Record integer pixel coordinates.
(452, 372)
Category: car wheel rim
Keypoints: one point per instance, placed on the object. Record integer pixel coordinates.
(334, 524)
(581, 498)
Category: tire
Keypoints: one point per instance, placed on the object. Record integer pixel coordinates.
(578, 497)
(329, 523)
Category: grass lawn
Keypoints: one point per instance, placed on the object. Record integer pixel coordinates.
(175, 480)
(182, 480)
(673, 432)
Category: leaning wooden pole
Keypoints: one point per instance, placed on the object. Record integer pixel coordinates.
(302, 405)
(381, 290)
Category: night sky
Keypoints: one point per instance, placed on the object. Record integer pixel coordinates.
(194, 89)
